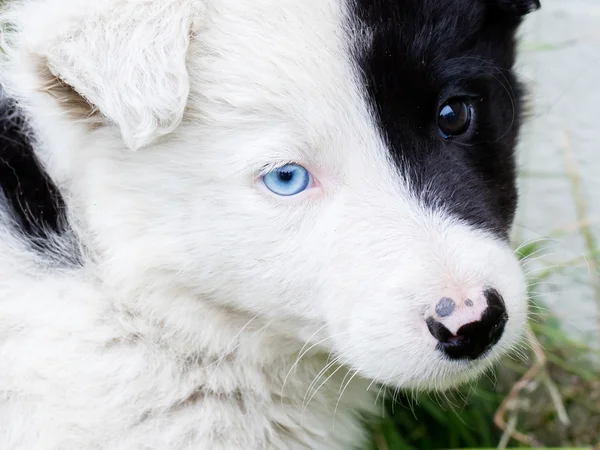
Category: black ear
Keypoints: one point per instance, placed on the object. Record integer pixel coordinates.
(518, 7)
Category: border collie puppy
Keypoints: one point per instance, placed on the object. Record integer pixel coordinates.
(222, 222)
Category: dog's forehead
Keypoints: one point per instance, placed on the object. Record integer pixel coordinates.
(305, 64)
(270, 65)
(305, 59)
(423, 26)
(276, 50)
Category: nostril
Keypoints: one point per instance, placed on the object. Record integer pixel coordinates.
(471, 339)
(438, 330)
(494, 300)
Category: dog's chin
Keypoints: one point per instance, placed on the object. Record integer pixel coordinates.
(442, 376)
(454, 378)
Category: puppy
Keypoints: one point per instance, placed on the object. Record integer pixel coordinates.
(223, 222)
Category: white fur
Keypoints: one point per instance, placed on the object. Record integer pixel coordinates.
(200, 290)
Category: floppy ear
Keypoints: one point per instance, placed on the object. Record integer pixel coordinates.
(127, 61)
(519, 7)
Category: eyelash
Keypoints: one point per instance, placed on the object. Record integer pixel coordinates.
(273, 166)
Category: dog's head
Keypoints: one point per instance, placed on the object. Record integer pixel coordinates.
(345, 166)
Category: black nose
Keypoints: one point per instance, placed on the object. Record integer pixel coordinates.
(475, 338)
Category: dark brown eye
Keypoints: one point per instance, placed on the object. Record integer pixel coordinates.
(454, 118)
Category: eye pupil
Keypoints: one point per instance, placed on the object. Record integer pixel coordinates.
(454, 117)
(285, 176)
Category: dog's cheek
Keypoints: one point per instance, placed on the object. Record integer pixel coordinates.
(252, 252)
(373, 317)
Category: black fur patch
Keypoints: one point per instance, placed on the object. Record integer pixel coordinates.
(520, 7)
(423, 52)
(36, 207)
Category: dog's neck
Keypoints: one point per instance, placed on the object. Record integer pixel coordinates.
(237, 357)
(190, 325)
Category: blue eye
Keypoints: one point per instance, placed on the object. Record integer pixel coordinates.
(290, 179)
